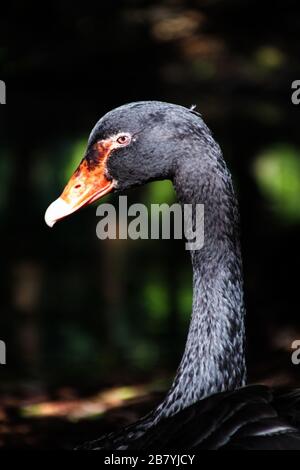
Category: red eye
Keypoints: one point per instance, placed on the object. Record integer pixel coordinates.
(124, 139)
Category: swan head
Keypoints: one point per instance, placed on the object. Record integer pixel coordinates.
(129, 146)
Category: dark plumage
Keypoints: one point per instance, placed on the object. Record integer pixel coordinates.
(208, 405)
(249, 418)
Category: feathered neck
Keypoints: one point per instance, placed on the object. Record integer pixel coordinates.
(214, 356)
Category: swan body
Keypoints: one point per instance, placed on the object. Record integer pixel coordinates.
(208, 405)
(251, 418)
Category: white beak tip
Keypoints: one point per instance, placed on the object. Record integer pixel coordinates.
(49, 223)
(57, 210)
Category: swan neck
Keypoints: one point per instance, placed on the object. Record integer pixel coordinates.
(214, 358)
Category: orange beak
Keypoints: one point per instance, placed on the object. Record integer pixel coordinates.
(87, 184)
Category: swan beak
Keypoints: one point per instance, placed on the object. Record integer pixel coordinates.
(87, 184)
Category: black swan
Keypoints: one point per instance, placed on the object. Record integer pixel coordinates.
(209, 405)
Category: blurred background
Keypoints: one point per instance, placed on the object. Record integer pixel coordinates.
(95, 329)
